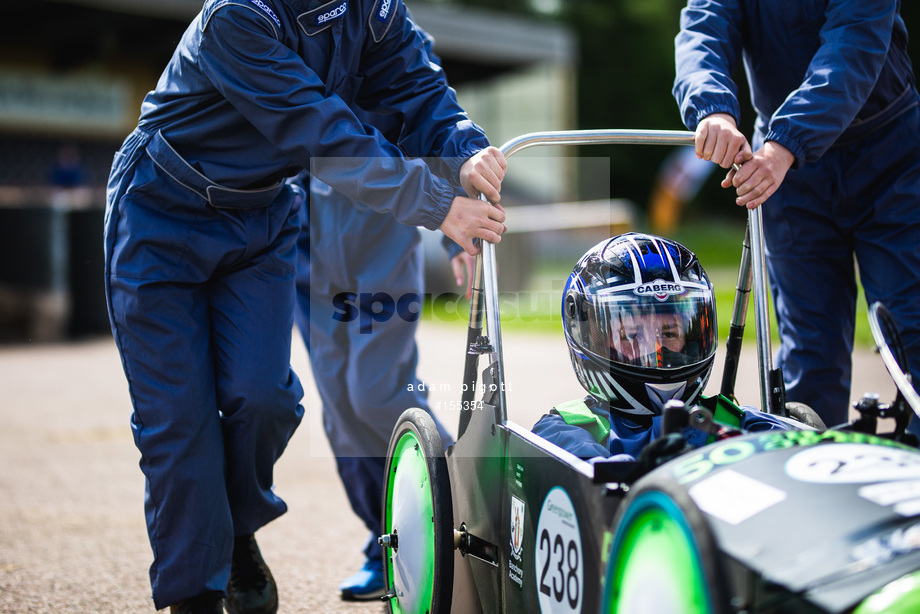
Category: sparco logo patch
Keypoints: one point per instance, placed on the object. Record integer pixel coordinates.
(660, 289)
(268, 10)
(333, 14)
(384, 11)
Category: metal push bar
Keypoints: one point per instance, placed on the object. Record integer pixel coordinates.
(489, 280)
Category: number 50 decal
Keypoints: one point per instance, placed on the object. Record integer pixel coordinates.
(559, 569)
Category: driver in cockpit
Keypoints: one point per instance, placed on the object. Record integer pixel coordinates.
(640, 322)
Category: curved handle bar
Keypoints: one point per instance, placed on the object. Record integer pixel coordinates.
(597, 137)
(613, 137)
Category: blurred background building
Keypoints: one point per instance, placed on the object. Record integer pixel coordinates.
(73, 74)
(72, 77)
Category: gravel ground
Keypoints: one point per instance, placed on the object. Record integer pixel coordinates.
(72, 535)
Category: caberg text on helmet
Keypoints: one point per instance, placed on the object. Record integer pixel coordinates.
(660, 289)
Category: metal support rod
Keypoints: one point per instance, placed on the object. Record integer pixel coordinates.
(493, 325)
(471, 361)
(761, 310)
(738, 320)
(743, 287)
(476, 294)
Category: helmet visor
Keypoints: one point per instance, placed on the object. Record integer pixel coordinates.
(651, 332)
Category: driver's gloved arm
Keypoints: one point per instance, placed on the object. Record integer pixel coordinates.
(574, 439)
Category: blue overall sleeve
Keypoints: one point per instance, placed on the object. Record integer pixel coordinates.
(401, 79)
(574, 439)
(275, 90)
(832, 81)
(840, 77)
(706, 51)
(624, 441)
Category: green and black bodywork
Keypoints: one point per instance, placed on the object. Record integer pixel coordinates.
(782, 521)
(502, 521)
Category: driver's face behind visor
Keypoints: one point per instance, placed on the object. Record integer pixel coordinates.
(647, 340)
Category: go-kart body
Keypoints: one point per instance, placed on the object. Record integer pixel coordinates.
(801, 521)
(804, 521)
(781, 521)
(543, 512)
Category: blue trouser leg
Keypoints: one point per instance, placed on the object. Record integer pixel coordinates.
(364, 367)
(816, 343)
(258, 391)
(181, 444)
(888, 248)
(859, 201)
(201, 305)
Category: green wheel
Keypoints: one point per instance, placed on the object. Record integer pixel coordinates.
(663, 558)
(417, 519)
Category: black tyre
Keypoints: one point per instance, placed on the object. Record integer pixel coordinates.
(806, 415)
(418, 519)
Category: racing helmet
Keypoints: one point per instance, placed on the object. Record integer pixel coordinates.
(640, 321)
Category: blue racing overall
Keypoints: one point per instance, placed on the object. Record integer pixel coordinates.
(830, 81)
(359, 298)
(200, 243)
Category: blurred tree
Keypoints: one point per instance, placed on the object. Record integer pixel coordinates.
(625, 78)
(506, 6)
(625, 72)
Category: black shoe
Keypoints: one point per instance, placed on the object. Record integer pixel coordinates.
(251, 589)
(207, 603)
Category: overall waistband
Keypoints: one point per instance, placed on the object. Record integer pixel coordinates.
(220, 197)
(902, 104)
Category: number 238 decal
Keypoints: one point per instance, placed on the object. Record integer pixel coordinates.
(559, 568)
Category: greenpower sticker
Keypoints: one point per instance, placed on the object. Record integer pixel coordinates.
(559, 563)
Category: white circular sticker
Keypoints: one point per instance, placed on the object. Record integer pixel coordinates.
(853, 463)
(559, 568)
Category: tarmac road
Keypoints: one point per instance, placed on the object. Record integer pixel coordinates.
(72, 535)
